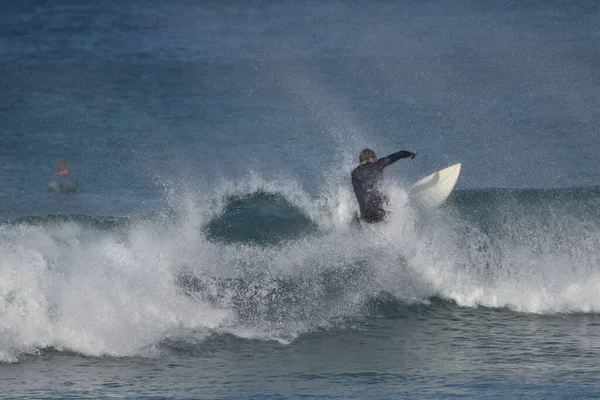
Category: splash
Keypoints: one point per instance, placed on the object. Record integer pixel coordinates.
(125, 287)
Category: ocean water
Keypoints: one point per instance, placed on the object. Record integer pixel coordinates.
(209, 251)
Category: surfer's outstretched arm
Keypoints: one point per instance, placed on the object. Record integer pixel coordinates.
(392, 158)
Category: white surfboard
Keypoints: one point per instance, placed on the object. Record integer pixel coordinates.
(434, 189)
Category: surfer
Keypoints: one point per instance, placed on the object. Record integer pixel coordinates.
(366, 181)
(62, 182)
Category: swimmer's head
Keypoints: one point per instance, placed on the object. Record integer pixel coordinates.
(367, 155)
(62, 168)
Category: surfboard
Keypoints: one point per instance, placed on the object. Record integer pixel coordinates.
(432, 190)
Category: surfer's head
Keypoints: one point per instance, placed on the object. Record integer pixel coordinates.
(62, 168)
(367, 155)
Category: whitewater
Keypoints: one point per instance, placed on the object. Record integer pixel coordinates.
(266, 260)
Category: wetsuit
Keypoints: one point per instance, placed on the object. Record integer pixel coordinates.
(366, 181)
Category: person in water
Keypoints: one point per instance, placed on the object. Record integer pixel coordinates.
(62, 182)
(366, 181)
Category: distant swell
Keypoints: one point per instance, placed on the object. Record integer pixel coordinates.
(54, 219)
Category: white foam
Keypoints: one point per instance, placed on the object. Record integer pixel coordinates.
(72, 287)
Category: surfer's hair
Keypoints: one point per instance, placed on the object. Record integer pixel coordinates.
(365, 155)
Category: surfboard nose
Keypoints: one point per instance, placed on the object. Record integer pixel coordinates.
(432, 190)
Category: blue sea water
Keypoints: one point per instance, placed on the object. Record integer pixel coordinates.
(209, 250)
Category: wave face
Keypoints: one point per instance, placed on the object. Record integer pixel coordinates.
(259, 218)
(266, 260)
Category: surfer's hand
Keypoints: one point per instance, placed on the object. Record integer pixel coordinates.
(414, 155)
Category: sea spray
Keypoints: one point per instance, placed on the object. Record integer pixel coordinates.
(126, 286)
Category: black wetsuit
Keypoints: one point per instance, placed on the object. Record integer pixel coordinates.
(366, 181)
